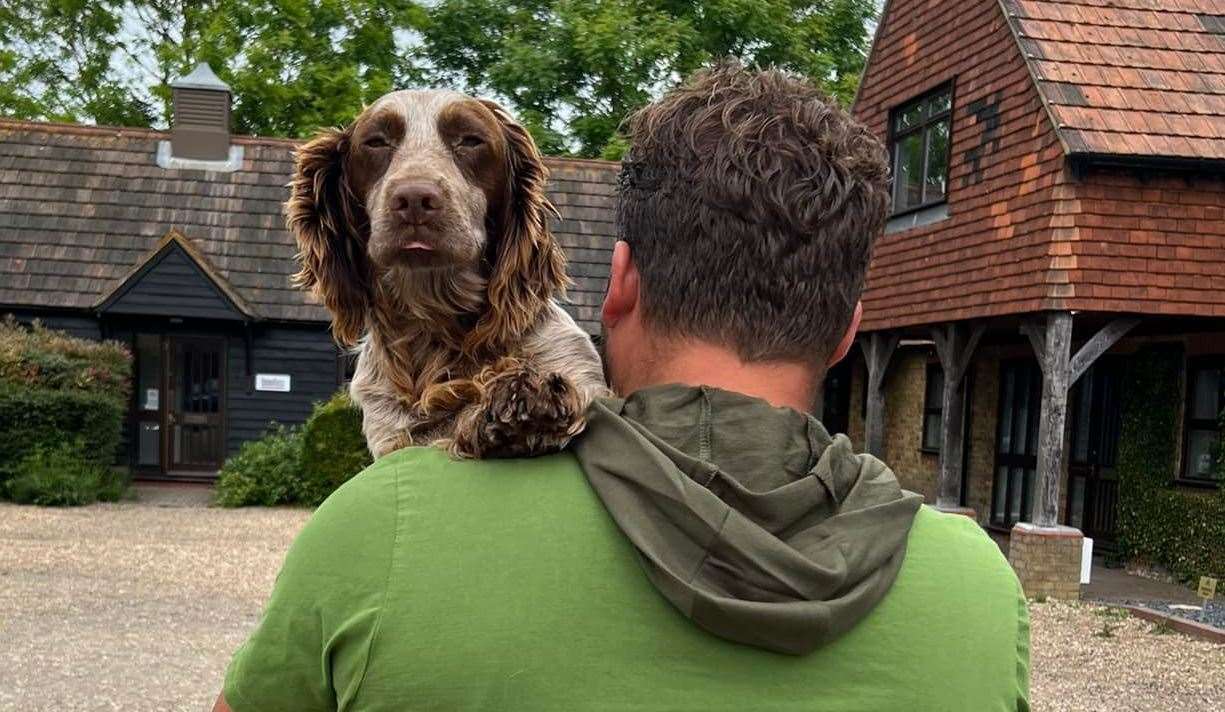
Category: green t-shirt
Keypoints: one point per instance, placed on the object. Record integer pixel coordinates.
(431, 584)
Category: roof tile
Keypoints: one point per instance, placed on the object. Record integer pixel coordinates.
(80, 205)
(1144, 77)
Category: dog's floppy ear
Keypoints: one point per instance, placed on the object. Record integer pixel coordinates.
(332, 229)
(529, 268)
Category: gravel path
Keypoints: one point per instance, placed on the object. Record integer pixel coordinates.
(129, 606)
(1087, 658)
(137, 607)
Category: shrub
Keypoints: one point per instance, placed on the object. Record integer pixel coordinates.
(264, 472)
(63, 476)
(56, 388)
(39, 418)
(38, 357)
(333, 448)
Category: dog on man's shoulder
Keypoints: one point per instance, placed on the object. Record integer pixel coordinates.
(423, 228)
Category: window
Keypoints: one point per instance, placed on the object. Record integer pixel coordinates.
(933, 408)
(919, 143)
(1205, 398)
(1016, 442)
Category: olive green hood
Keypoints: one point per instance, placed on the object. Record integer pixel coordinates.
(755, 523)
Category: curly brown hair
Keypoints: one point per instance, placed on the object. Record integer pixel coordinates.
(751, 202)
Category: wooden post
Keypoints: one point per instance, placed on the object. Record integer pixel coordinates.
(1055, 360)
(955, 344)
(1052, 343)
(878, 348)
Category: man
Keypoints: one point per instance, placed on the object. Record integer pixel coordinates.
(706, 545)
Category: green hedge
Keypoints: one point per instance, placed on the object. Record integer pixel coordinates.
(1180, 528)
(37, 357)
(63, 477)
(41, 418)
(297, 465)
(58, 391)
(333, 448)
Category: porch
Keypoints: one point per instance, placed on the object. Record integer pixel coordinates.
(967, 414)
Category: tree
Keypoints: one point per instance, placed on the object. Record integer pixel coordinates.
(574, 69)
(293, 65)
(571, 70)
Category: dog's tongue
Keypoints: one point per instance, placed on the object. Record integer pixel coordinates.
(417, 245)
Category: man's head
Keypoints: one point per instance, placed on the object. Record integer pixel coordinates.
(749, 203)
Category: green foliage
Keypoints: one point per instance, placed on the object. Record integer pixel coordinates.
(1177, 527)
(62, 476)
(55, 388)
(264, 472)
(297, 465)
(333, 448)
(293, 65)
(571, 70)
(38, 357)
(577, 69)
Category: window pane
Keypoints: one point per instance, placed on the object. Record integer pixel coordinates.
(1201, 446)
(935, 388)
(998, 493)
(1082, 424)
(149, 371)
(1014, 503)
(1076, 497)
(908, 172)
(1207, 386)
(935, 183)
(940, 103)
(931, 430)
(908, 118)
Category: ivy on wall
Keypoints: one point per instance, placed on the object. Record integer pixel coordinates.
(1177, 527)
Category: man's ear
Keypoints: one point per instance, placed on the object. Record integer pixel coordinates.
(622, 296)
(848, 339)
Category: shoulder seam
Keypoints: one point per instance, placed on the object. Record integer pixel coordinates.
(391, 559)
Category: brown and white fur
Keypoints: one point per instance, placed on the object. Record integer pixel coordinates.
(423, 228)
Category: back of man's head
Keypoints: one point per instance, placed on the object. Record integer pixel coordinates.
(750, 201)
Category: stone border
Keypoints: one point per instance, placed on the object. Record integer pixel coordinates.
(1183, 625)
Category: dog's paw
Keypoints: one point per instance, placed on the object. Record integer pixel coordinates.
(522, 413)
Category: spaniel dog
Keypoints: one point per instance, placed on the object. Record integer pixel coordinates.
(423, 228)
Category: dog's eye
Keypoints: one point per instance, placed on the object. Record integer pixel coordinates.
(470, 141)
(376, 142)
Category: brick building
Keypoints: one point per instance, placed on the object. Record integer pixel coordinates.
(1059, 199)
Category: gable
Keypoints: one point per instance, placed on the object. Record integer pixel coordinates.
(173, 283)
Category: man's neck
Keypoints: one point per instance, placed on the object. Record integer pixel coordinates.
(789, 384)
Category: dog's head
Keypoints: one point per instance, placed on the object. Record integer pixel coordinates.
(426, 182)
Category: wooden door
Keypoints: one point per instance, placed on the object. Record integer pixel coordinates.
(196, 413)
(1093, 488)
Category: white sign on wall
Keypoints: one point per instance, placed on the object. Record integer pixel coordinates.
(275, 382)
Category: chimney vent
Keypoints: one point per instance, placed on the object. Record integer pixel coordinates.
(201, 128)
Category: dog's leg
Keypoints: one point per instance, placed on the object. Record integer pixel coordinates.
(522, 411)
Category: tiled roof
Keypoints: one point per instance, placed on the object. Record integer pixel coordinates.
(1128, 78)
(81, 206)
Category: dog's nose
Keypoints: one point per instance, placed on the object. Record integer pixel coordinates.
(416, 203)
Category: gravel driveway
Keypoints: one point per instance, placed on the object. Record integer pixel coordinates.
(135, 607)
(128, 606)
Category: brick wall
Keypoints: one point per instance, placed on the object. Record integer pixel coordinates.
(993, 254)
(1046, 560)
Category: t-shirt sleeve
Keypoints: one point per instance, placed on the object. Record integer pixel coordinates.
(310, 649)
